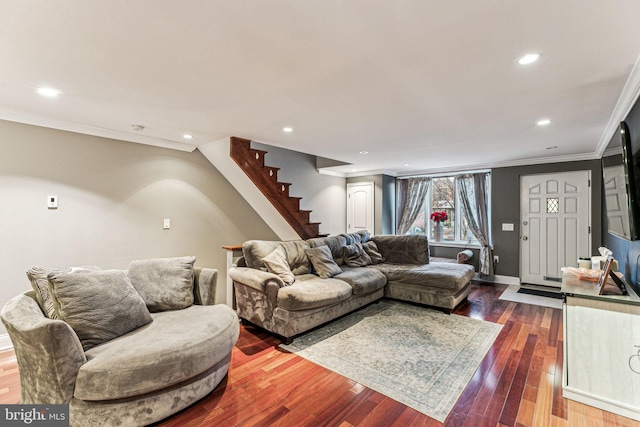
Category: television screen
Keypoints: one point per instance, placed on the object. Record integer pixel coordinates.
(621, 200)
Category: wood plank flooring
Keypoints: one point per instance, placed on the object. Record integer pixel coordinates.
(519, 383)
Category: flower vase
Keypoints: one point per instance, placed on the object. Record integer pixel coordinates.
(437, 231)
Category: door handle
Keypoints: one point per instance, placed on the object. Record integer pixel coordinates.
(525, 222)
(525, 238)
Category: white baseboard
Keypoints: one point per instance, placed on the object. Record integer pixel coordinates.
(5, 342)
(503, 280)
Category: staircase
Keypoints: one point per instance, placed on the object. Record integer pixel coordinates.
(265, 178)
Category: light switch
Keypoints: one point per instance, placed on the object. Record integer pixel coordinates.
(167, 223)
(507, 227)
(52, 202)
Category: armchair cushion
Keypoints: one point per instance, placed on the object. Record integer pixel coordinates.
(40, 284)
(99, 305)
(372, 250)
(164, 283)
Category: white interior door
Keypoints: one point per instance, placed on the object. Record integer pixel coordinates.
(555, 224)
(360, 207)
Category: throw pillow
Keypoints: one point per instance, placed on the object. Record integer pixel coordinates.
(323, 262)
(164, 283)
(355, 256)
(277, 264)
(98, 305)
(40, 284)
(374, 253)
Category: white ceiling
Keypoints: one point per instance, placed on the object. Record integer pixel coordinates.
(430, 83)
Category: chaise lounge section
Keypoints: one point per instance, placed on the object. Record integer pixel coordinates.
(290, 287)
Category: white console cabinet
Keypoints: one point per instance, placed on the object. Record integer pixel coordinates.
(601, 348)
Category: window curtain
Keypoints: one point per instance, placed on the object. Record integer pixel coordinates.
(472, 189)
(411, 195)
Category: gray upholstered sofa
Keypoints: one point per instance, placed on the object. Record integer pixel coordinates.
(293, 286)
(179, 354)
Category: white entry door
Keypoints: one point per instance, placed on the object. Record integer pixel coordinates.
(360, 207)
(555, 224)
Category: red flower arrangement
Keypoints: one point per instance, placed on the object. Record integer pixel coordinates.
(439, 216)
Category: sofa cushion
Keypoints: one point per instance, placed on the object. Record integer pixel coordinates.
(363, 280)
(441, 275)
(277, 264)
(176, 346)
(355, 256)
(99, 305)
(309, 291)
(372, 250)
(40, 284)
(254, 250)
(164, 283)
(403, 249)
(335, 243)
(322, 261)
(361, 236)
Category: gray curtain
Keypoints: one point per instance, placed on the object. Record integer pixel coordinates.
(411, 194)
(473, 196)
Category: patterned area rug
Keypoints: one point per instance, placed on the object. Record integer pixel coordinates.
(418, 356)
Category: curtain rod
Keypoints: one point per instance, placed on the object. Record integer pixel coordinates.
(438, 175)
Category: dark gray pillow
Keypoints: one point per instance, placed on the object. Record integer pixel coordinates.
(323, 262)
(164, 283)
(374, 253)
(98, 305)
(355, 256)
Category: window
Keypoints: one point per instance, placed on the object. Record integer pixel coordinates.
(443, 197)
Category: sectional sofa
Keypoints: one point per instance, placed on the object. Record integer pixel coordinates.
(290, 287)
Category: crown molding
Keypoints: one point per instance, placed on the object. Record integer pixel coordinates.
(36, 120)
(627, 99)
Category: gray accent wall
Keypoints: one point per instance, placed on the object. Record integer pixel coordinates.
(384, 199)
(505, 208)
(324, 195)
(113, 197)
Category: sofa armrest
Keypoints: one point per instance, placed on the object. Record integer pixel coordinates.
(48, 351)
(254, 278)
(205, 281)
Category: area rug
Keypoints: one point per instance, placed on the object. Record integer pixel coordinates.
(418, 356)
(512, 294)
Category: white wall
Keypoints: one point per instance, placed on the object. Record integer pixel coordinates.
(324, 195)
(113, 197)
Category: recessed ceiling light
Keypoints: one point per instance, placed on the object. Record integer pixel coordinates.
(287, 129)
(543, 122)
(364, 152)
(529, 58)
(354, 170)
(406, 164)
(187, 136)
(48, 92)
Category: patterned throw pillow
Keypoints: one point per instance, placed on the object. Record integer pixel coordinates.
(355, 256)
(40, 284)
(276, 263)
(323, 262)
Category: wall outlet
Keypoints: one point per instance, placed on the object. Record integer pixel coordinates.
(166, 224)
(496, 259)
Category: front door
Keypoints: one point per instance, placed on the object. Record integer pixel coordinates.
(555, 224)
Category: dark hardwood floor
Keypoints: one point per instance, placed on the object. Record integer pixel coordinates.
(519, 382)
